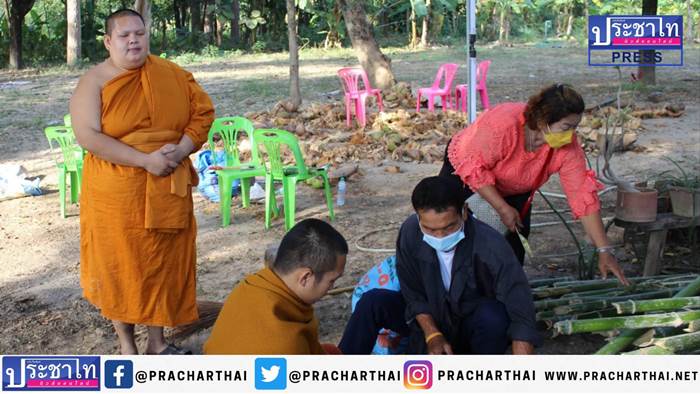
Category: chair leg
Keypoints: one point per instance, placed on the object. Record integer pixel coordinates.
(269, 200)
(74, 187)
(225, 200)
(431, 103)
(485, 99)
(245, 192)
(329, 195)
(380, 104)
(347, 112)
(289, 186)
(361, 111)
(62, 190)
(80, 181)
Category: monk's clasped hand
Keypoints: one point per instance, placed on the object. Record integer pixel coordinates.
(159, 164)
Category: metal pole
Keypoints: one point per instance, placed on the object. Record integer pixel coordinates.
(471, 40)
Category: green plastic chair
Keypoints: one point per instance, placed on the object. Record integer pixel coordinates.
(72, 164)
(229, 129)
(273, 140)
(67, 121)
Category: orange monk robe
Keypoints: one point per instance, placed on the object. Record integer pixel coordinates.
(262, 316)
(137, 230)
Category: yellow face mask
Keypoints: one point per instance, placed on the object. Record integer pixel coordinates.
(558, 139)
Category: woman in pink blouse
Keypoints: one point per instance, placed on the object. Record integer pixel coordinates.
(512, 149)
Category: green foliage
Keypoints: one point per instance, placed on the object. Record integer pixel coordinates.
(263, 28)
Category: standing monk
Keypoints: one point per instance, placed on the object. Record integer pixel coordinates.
(139, 117)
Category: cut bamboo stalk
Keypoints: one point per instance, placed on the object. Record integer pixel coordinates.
(559, 291)
(636, 279)
(648, 351)
(693, 326)
(679, 343)
(553, 303)
(667, 304)
(626, 337)
(580, 308)
(548, 281)
(645, 339)
(673, 319)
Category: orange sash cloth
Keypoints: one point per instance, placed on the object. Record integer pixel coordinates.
(262, 316)
(138, 232)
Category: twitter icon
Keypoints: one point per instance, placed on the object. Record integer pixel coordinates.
(270, 373)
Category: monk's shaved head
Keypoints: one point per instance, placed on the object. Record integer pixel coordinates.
(313, 244)
(109, 21)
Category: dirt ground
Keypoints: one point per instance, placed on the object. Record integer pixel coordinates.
(41, 308)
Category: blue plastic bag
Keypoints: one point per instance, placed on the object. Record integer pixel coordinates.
(382, 276)
(208, 181)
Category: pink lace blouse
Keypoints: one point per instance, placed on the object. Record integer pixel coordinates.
(491, 151)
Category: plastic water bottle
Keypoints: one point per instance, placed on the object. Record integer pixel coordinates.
(341, 192)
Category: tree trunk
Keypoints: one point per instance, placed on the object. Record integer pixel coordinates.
(73, 49)
(89, 42)
(375, 63)
(569, 24)
(15, 10)
(502, 24)
(179, 18)
(294, 92)
(333, 37)
(647, 74)
(205, 20)
(219, 31)
(143, 7)
(235, 22)
(196, 16)
(689, 24)
(585, 12)
(164, 34)
(414, 29)
(426, 26)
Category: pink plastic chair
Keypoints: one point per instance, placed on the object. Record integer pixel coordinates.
(461, 91)
(350, 78)
(447, 70)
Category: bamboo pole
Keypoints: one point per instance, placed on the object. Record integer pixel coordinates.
(548, 281)
(674, 319)
(549, 304)
(626, 337)
(679, 343)
(648, 351)
(667, 304)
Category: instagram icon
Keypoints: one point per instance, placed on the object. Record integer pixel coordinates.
(418, 375)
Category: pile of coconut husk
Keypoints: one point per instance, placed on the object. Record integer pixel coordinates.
(398, 133)
(623, 125)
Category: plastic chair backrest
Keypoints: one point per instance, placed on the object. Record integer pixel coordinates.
(350, 78)
(448, 70)
(273, 140)
(67, 121)
(229, 129)
(64, 137)
(481, 70)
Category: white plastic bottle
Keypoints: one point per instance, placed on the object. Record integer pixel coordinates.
(341, 192)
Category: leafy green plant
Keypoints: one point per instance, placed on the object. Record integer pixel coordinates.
(678, 176)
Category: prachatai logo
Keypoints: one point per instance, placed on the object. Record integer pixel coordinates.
(25, 373)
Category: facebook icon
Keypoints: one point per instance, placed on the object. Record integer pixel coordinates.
(119, 374)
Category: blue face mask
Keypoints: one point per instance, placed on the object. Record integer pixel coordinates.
(446, 243)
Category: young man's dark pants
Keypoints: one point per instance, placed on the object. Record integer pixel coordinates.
(483, 332)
